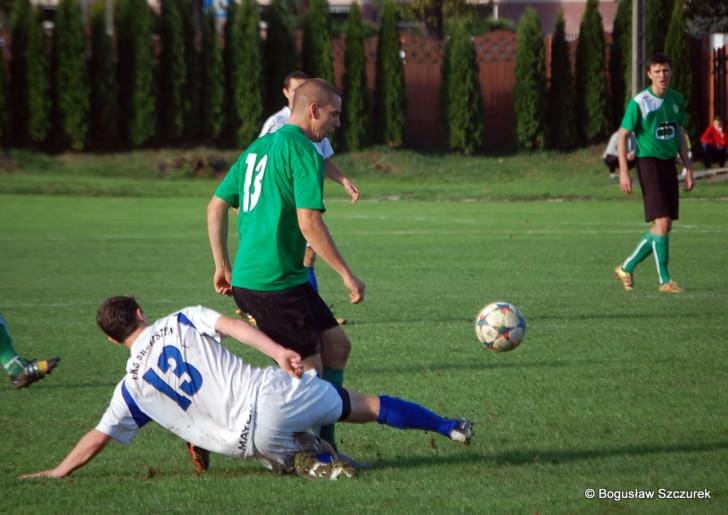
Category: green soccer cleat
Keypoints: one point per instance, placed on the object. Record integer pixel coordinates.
(625, 278)
(33, 371)
(670, 287)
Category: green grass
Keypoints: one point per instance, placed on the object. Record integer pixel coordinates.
(608, 390)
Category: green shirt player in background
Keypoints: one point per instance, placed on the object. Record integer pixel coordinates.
(277, 184)
(656, 116)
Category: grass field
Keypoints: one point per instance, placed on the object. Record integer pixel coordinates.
(609, 390)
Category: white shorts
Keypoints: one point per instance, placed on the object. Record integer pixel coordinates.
(286, 406)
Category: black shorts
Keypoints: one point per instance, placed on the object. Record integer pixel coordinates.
(294, 317)
(658, 180)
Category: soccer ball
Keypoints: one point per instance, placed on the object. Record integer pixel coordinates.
(500, 326)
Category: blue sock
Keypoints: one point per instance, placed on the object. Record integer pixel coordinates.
(312, 278)
(402, 414)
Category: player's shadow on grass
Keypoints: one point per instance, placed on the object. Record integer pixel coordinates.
(554, 457)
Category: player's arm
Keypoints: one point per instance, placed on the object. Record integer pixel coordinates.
(625, 180)
(335, 174)
(288, 360)
(217, 233)
(687, 162)
(91, 444)
(313, 228)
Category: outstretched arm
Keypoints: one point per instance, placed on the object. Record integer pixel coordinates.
(288, 360)
(317, 235)
(336, 175)
(85, 450)
(217, 233)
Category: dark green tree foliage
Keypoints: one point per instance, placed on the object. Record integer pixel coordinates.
(172, 73)
(70, 81)
(191, 107)
(464, 105)
(561, 109)
(704, 17)
(530, 89)
(279, 53)
(390, 100)
(104, 113)
(136, 72)
(232, 58)
(355, 111)
(620, 61)
(592, 101)
(657, 21)
(4, 121)
(29, 87)
(677, 47)
(212, 83)
(316, 46)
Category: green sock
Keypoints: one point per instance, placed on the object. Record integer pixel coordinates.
(643, 249)
(11, 361)
(661, 248)
(333, 376)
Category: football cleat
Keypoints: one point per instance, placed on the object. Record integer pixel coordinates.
(625, 278)
(341, 321)
(33, 371)
(670, 287)
(246, 317)
(321, 466)
(200, 458)
(463, 432)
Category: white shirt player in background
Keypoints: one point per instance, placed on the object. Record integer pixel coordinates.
(180, 376)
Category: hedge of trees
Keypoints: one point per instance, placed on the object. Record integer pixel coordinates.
(189, 86)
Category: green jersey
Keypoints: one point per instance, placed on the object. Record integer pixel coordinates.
(277, 174)
(656, 122)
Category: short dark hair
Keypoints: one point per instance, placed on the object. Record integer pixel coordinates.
(297, 74)
(117, 317)
(658, 58)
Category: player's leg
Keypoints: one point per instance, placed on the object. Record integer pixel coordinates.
(403, 414)
(335, 355)
(21, 371)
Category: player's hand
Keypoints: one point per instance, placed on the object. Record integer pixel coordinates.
(625, 182)
(689, 180)
(290, 362)
(350, 188)
(356, 289)
(221, 281)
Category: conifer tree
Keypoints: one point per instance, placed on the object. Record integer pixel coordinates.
(233, 72)
(657, 21)
(135, 72)
(620, 61)
(212, 84)
(677, 47)
(191, 107)
(355, 111)
(530, 89)
(70, 77)
(464, 105)
(316, 46)
(248, 93)
(279, 53)
(4, 122)
(592, 107)
(104, 114)
(391, 106)
(561, 108)
(29, 87)
(172, 73)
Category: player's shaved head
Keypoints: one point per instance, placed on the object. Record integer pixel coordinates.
(314, 91)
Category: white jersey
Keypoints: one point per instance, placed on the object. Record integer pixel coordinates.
(279, 119)
(180, 376)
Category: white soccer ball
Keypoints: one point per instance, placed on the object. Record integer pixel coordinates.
(500, 326)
